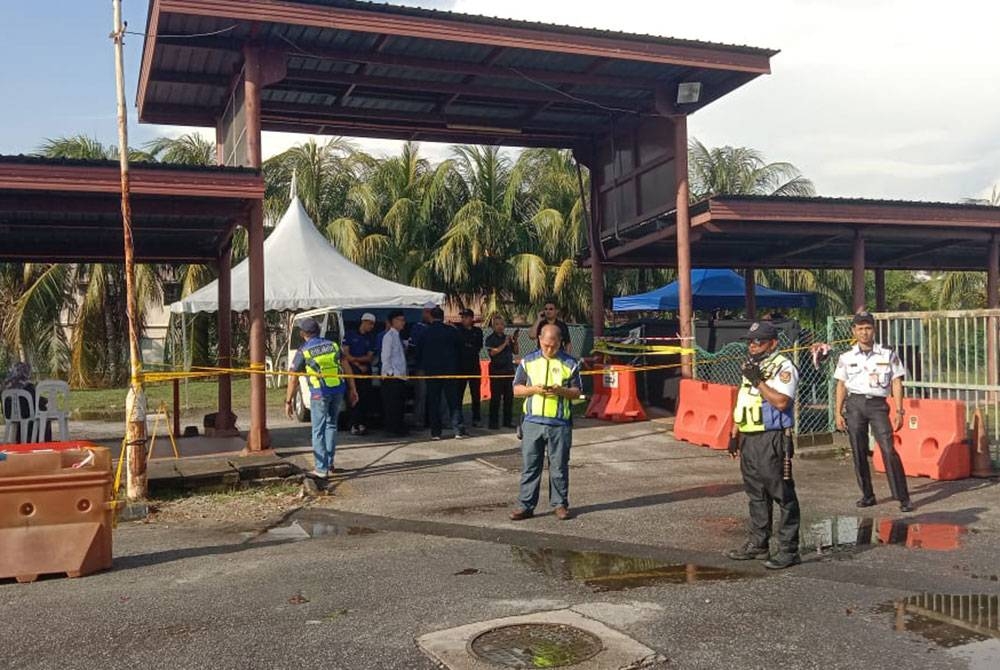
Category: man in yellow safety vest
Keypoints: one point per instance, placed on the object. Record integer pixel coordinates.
(548, 380)
(761, 438)
(323, 362)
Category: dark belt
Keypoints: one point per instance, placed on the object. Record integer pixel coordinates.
(867, 396)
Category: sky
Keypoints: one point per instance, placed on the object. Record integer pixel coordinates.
(895, 99)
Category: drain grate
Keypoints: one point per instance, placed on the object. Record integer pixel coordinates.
(536, 645)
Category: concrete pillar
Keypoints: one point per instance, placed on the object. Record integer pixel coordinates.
(685, 312)
(259, 438)
(858, 270)
(750, 290)
(880, 304)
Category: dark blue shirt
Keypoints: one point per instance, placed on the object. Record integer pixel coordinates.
(360, 345)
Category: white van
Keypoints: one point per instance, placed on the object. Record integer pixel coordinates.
(333, 323)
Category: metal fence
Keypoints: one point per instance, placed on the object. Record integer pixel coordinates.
(948, 354)
(812, 399)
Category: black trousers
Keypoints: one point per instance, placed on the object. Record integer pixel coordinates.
(393, 399)
(472, 383)
(447, 389)
(501, 395)
(761, 462)
(860, 413)
(362, 410)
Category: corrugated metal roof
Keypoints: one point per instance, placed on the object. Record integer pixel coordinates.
(847, 201)
(152, 165)
(406, 10)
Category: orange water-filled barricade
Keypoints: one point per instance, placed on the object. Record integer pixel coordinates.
(55, 510)
(705, 413)
(599, 398)
(932, 441)
(623, 402)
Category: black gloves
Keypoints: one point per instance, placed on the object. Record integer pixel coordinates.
(734, 445)
(752, 372)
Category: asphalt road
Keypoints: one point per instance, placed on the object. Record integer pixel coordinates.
(417, 540)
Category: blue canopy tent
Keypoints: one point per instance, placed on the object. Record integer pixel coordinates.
(712, 289)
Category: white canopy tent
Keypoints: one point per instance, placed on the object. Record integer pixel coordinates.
(304, 271)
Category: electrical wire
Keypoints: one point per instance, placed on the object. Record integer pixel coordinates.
(179, 36)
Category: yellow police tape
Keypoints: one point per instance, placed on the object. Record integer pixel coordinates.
(601, 349)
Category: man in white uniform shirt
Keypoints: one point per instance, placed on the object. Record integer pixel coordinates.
(866, 376)
(394, 372)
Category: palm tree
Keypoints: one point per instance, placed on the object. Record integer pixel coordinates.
(741, 171)
(394, 215)
(188, 149)
(323, 175)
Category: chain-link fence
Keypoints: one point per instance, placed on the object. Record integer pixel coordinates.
(812, 401)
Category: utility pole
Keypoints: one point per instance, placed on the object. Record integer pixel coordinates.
(136, 483)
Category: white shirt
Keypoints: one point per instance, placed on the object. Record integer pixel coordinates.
(869, 373)
(782, 376)
(393, 358)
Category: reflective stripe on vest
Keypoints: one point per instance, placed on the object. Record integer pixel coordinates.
(323, 363)
(547, 372)
(748, 414)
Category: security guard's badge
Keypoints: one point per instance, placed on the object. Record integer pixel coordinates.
(785, 376)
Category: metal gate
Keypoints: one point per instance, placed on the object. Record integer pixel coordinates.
(948, 354)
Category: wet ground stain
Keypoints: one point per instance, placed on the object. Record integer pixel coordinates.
(615, 572)
(462, 510)
(302, 529)
(964, 626)
(847, 534)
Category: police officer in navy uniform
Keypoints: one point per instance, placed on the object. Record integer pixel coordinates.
(866, 376)
(761, 438)
(324, 363)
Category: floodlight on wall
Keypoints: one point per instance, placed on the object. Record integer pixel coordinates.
(688, 92)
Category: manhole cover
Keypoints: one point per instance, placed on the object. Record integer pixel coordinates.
(536, 645)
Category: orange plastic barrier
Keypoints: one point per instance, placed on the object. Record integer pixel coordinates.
(705, 413)
(932, 441)
(55, 510)
(484, 381)
(623, 403)
(599, 398)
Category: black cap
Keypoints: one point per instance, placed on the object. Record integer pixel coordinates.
(863, 317)
(761, 330)
(309, 326)
(466, 312)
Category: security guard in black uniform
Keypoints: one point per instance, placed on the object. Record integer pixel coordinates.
(866, 376)
(761, 437)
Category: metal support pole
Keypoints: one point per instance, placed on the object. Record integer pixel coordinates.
(750, 290)
(992, 302)
(137, 485)
(223, 424)
(259, 438)
(880, 290)
(685, 313)
(858, 270)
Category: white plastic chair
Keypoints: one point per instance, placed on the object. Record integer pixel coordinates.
(56, 394)
(270, 380)
(11, 398)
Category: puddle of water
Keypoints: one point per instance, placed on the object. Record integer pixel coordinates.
(305, 530)
(848, 533)
(965, 626)
(614, 572)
